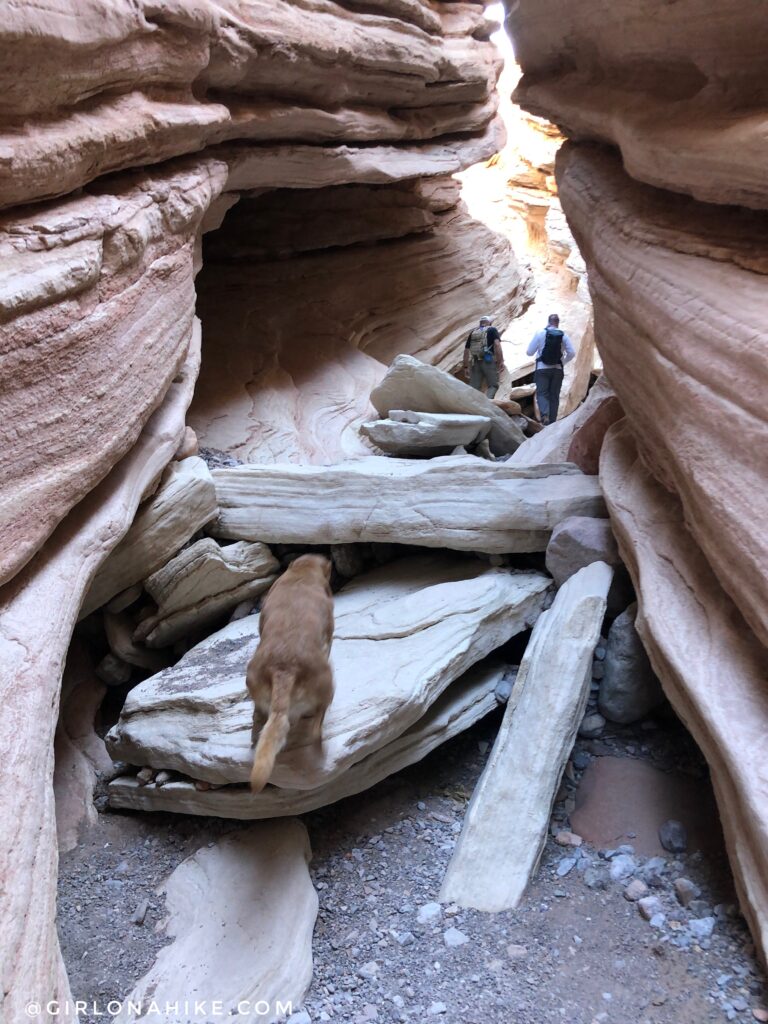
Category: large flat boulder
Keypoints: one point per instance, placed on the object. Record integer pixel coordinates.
(241, 914)
(465, 702)
(425, 433)
(411, 384)
(184, 502)
(203, 582)
(458, 502)
(403, 633)
(711, 665)
(506, 822)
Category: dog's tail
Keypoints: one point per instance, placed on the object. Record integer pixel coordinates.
(275, 732)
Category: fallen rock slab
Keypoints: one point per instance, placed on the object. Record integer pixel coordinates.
(184, 502)
(203, 582)
(458, 502)
(711, 665)
(241, 913)
(403, 633)
(505, 825)
(411, 384)
(423, 433)
(463, 704)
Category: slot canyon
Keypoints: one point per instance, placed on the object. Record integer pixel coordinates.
(244, 244)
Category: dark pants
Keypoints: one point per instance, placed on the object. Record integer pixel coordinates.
(548, 383)
(483, 372)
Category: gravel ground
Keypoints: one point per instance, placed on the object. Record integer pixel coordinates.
(576, 950)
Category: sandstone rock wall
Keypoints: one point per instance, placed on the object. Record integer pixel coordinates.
(126, 130)
(663, 186)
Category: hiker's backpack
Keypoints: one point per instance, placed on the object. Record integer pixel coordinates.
(552, 353)
(478, 343)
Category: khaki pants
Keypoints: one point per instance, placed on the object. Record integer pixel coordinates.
(480, 372)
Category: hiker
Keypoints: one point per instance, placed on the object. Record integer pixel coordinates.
(552, 348)
(483, 358)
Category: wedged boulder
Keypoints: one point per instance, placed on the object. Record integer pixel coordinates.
(711, 666)
(241, 914)
(424, 433)
(184, 502)
(458, 502)
(411, 384)
(203, 582)
(629, 689)
(403, 633)
(506, 822)
(465, 702)
(581, 540)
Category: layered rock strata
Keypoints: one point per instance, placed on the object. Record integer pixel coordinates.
(307, 296)
(678, 88)
(402, 634)
(712, 667)
(471, 697)
(679, 291)
(49, 592)
(505, 826)
(458, 502)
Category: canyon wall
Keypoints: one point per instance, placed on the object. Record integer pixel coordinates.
(127, 131)
(663, 185)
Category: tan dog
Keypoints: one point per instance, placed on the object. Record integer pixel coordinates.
(289, 677)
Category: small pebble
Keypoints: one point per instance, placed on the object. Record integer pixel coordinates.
(453, 937)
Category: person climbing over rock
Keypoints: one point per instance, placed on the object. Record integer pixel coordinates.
(552, 348)
(483, 358)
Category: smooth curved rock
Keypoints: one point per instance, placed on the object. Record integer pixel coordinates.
(403, 633)
(424, 433)
(48, 592)
(458, 502)
(679, 87)
(79, 751)
(303, 307)
(411, 384)
(505, 826)
(463, 704)
(241, 914)
(679, 293)
(711, 666)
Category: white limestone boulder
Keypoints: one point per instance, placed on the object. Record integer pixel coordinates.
(203, 582)
(465, 702)
(403, 634)
(184, 502)
(424, 433)
(505, 826)
(411, 384)
(241, 913)
(457, 502)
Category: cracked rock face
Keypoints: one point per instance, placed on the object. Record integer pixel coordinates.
(472, 696)
(403, 633)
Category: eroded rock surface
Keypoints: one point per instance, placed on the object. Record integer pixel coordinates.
(403, 633)
(458, 502)
(424, 433)
(241, 914)
(711, 665)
